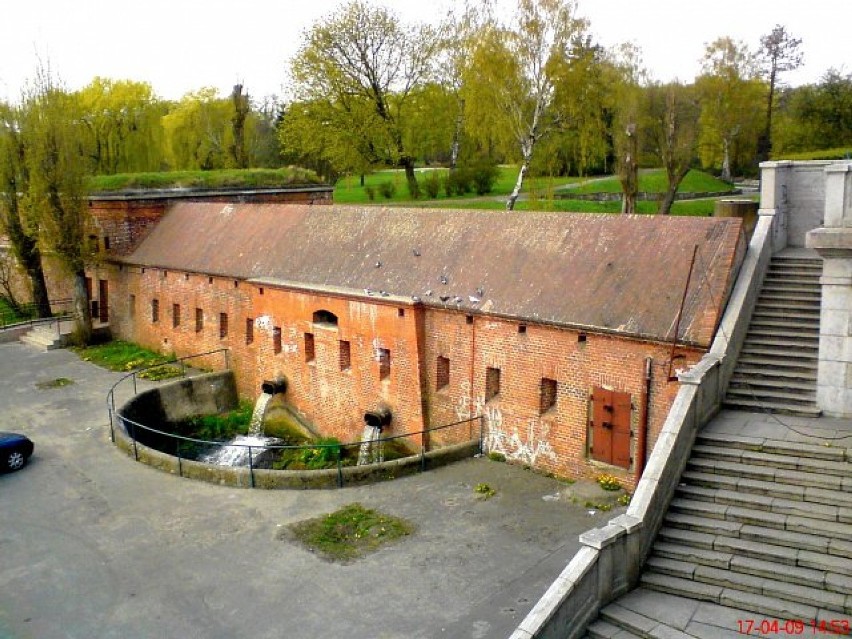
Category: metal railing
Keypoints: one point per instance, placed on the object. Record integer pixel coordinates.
(134, 375)
(338, 452)
(12, 319)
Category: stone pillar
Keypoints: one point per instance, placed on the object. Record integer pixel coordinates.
(773, 198)
(834, 243)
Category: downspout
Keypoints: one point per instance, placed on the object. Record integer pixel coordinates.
(644, 418)
(472, 355)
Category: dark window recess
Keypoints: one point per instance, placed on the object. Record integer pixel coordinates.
(400, 312)
(442, 373)
(260, 290)
(155, 310)
(249, 330)
(223, 325)
(310, 350)
(175, 315)
(106, 243)
(384, 363)
(325, 317)
(131, 305)
(548, 394)
(345, 355)
(610, 427)
(209, 280)
(199, 320)
(468, 319)
(582, 337)
(276, 340)
(492, 383)
(522, 328)
(236, 283)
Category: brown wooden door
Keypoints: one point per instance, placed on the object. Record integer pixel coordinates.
(611, 412)
(103, 296)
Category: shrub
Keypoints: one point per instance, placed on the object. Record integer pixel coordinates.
(484, 176)
(608, 482)
(459, 181)
(387, 189)
(323, 456)
(496, 456)
(370, 190)
(432, 185)
(413, 189)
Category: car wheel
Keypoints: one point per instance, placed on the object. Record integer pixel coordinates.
(15, 460)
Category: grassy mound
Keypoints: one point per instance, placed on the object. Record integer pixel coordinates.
(225, 178)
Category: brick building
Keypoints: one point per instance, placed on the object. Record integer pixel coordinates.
(558, 328)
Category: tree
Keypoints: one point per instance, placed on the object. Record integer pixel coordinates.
(53, 140)
(357, 71)
(518, 66)
(198, 131)
(629, 75)
(123, 122)
(242, 109)
(16, 220)
(779, 53)
(731, 93)
(672, 129)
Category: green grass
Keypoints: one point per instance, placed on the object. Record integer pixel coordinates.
(348, 190)
(842, 153)
(699, 208)
(59, 382)
(245, 178)
(122, 356)
(349, 533)
(8, 315)
(654, 181)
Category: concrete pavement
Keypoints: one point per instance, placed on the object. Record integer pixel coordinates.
(96, 545)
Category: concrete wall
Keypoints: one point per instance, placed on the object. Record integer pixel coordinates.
(611, 558)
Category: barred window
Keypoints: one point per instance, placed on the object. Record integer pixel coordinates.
(548, 394)
(249, 330)
(442, 373)
(492, 383)
(384, 363)
(175, 315)
(199, 320)
(310, 352)
(223, 325)
(155, 310)
(345, 355)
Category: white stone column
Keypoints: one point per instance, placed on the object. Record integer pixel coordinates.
(834, 243)
(774, 177)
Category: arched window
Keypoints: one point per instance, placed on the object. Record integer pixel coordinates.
(325, 317)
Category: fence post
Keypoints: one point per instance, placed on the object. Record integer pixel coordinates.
(134, 383)
(133, 435)
(339, 469)
(180, 459)
(111, 413)
(422, 458)
(251, 468)
(481, 434)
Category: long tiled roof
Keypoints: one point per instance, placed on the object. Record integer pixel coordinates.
(622, 274)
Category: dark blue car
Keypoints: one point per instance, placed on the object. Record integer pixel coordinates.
(15, 450)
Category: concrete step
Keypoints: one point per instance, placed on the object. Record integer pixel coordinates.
(739, 403)
(780, 583)
(635, 624)
(788, 304)
(777, 446)
(42, 342)
(756, 503)
(763, 322)
(767, 380)
(782, 476)
(773, 311)
(772, 397)
(754, 373)
(796, 355)
(804, 343)
(840, 468)
(793, 278)
(786, 287)
(601, 629)
(787, 333)
(777, 363)
(768, 488)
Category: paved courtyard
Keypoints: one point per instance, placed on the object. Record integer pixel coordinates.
(94, 544)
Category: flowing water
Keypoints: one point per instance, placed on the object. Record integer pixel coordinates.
(242, 448)
(371, 446)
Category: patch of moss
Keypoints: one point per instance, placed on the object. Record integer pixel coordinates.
(59, 382)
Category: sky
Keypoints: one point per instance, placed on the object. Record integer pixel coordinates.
(183, 45)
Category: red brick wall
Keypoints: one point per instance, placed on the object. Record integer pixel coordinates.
(335, 400)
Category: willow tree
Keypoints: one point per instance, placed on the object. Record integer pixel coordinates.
(359, 67)
(53, 142)
(15, 221)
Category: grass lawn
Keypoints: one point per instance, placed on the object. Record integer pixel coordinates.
(247, 178)
(654, 181)
(841, 153)
(701, 208)
(126, 356)
(348, 190)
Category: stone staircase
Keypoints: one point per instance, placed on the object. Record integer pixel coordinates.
(760, 529)
(48, 337)
(777, 367)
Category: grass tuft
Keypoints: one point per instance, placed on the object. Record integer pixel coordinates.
(118, 355)
(349, 533)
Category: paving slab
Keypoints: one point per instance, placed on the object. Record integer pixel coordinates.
(97, 545)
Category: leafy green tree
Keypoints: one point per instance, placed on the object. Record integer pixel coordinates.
(779, 52)
(672, 130)
(731, 94)
(198, 132)
(123, 126)
(16, 222)
(357, 71)
(53, 135)
(627, 95)
(241, 111)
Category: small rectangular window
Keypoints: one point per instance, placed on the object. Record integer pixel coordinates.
(223, 325)
(276, 340)
(442, 374)
(155, 310)
(199, 320)
(175, 315)
(345, 355)
(548, 394)
(492, 383)
(384, 363)
(249, 330)
(131, 306)
(310, 353)
(106, 243)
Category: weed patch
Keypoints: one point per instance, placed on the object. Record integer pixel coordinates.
(349, 533)
(121, 356)
(59, 382)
